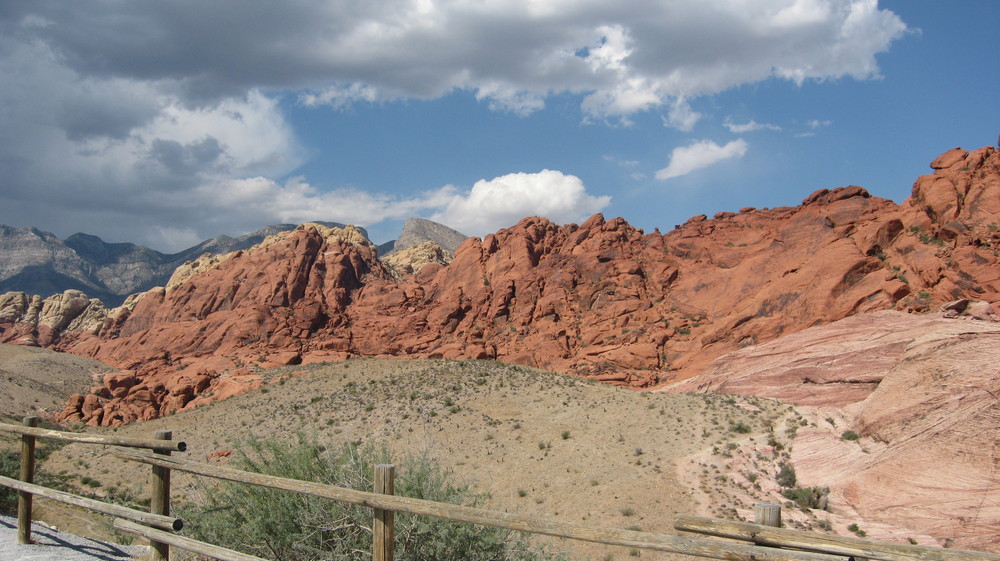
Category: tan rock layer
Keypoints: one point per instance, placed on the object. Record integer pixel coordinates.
(921, 395)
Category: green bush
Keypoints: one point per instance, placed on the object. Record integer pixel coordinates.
(741, 428)
(786, 476)
(808, 497)
(858, 531)
(291, 527)
(850, 435)
(10, 466)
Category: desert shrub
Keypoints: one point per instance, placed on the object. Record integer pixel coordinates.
(741, 428)
(786, 476)
(291, 527)
(808, 497)
(858, 531)
(10, 466)
(850, 435)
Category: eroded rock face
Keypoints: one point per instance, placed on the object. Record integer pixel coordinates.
(30, 320)
(412, 259)
(602, 299)
(922, 393)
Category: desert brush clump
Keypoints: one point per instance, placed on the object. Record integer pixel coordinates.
(292, 527)
(10, 466)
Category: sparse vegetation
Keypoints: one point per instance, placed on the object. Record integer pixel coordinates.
(786, 476)
(808, 497)
(850, 435)
(10, 466)
(293, 527)
(741, 428)
(518, 407)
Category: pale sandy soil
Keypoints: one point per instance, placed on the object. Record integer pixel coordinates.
(37, 381)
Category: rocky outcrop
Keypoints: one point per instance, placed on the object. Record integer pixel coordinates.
(35, 321)
(38, 262)
(601, 299)
(412, 260)
(921, 393)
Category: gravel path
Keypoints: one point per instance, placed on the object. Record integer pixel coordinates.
(52, 545)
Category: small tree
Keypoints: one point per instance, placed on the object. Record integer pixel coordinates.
(292, 527)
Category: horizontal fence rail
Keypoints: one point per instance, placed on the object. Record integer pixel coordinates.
(811, 541)
(155, 520)
(160, 496)
(128, 442)
(194, 546)
(512, 521)
(767, 543)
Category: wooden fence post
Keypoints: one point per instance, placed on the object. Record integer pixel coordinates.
(767, 514)
(382, 525)
(28, 476)
(159, 502)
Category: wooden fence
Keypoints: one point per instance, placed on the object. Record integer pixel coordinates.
(765, 543)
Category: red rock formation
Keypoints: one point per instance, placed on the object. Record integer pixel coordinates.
(601, 299)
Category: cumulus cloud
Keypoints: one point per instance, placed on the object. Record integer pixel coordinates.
(701, 154)
(503, 201)
(157, 117)
(681, 116)
(513, 54)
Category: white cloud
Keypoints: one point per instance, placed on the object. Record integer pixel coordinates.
(150, 119)
(701, 154)
(503, 201)
(814, 125)
(340, 97)
(749, 126)
(802, 12)
(681, 116)
(513, 54)
(296, 201)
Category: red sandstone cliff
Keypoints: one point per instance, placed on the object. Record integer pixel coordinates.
(600, 299)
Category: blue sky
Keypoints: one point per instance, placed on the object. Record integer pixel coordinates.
(168, 123)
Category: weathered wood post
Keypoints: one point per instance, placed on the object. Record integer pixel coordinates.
(159, 502)
(767, 514)
(382, 525)
(28, 476)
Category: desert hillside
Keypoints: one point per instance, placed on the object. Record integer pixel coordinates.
(537, 441)
(917, 392)
(38, 381)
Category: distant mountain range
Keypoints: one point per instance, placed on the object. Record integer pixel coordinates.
(38, 262)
